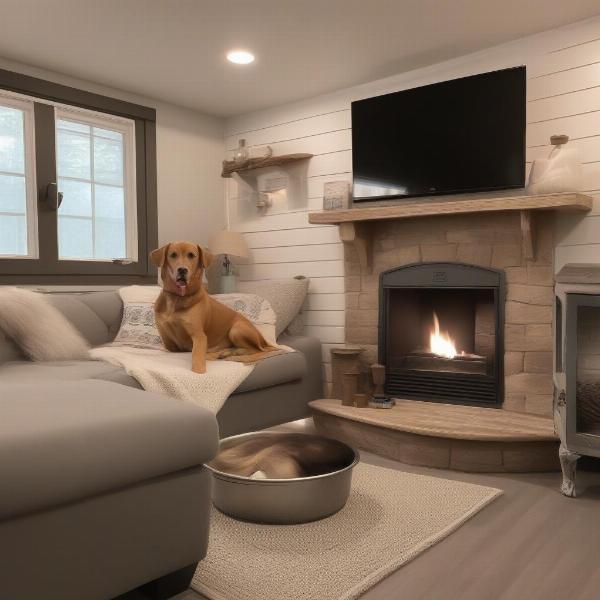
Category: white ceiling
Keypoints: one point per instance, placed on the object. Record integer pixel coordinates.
(174, 50)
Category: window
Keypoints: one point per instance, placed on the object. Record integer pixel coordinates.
(96, 175)
(18, 235)
(77, 185)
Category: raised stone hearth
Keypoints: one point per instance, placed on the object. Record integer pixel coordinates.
(462, 438)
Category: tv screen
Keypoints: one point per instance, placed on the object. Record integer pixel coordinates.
(464, 135)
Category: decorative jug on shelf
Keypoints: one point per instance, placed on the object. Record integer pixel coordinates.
(560, 172)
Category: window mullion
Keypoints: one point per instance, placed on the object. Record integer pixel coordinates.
(93, 191)
(45, 161)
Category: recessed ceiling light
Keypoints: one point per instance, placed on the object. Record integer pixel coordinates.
(240, 57)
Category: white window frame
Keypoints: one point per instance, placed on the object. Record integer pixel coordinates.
(27, 107)
(127, 128)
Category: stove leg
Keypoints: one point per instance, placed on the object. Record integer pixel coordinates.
(568, 463)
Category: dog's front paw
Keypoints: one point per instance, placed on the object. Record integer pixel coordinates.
(200, 369)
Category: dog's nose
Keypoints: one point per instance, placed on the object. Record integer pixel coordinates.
(182, 270)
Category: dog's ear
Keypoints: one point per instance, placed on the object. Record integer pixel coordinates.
(206, 258)
(158, 256)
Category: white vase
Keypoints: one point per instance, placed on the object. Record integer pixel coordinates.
(560, 172)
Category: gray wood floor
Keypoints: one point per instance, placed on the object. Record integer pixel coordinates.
(530, 544)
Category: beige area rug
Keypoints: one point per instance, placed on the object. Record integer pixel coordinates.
(389, 519)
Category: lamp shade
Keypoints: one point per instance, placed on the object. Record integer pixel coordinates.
(231, 243)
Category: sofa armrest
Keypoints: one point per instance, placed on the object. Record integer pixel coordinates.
(311, 347)
(62, 442)
(308, 345)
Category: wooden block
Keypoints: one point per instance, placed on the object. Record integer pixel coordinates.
(349, 387)
(361, 400)
(344, 359)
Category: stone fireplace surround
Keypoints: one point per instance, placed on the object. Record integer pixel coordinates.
(491, 239)
(510, 233)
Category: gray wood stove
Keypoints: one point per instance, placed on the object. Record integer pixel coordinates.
(577, 367)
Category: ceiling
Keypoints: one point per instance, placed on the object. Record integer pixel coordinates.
(174, 50)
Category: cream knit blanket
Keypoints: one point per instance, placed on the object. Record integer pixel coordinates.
(171, 373)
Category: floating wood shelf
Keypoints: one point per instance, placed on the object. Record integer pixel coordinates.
(230, 166)
(355, 229)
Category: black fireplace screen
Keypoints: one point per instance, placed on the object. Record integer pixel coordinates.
(441, 333)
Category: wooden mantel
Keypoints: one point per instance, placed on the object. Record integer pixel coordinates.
(355, 229)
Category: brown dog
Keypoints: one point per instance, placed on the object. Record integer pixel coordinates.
(188, 319)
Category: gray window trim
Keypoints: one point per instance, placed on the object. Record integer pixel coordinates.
(47, 268)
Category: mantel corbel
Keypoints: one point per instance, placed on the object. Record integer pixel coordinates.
(358, 235)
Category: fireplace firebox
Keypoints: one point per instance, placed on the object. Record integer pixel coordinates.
(441, 333)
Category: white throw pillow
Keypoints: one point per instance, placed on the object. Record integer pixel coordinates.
(286, 296)
(138, 327)
(256, 309)
(39, 329)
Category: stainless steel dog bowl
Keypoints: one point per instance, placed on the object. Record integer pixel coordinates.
(284, 501)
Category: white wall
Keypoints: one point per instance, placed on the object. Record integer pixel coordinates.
(563, 97)
(189, 148)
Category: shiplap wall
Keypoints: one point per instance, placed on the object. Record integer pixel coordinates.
(563, 92)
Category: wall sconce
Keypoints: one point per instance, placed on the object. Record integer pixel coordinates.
(270, 186)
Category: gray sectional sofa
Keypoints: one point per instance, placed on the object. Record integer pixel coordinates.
(103, 488)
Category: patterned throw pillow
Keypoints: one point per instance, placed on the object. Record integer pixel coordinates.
(138, 326)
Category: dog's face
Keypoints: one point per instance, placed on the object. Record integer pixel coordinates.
(182, 266)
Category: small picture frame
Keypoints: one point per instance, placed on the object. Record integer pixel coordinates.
(336, 195)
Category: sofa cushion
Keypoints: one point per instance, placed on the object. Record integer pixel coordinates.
(95, 314)
(119, 376)
(275, 370)
(271, 371)
(25, 371)
(61, 442)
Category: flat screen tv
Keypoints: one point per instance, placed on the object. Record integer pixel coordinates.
(459, 136)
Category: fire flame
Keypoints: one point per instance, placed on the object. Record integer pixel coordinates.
(441, 343)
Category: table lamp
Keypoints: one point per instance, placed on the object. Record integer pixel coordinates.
(228, 244)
